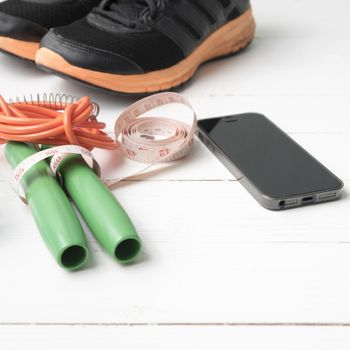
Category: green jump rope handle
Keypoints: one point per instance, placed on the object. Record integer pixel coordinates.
(51, 209)
(104, 215)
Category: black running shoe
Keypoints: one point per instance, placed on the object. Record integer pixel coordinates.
(24, 22)
(146, 46)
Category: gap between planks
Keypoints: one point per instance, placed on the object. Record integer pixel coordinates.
(176, 324)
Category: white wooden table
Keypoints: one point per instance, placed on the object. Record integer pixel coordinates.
(217, 269)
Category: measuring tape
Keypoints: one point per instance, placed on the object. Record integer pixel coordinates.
(135, 136)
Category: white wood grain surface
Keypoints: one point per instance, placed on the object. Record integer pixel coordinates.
(217, 269)
(175, 337)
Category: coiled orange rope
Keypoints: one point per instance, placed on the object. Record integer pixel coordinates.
(53, 123)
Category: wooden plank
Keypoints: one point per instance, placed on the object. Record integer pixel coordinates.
(174, 338)
(300, 19)
(279, 66)
(227, 260)
(175, 211)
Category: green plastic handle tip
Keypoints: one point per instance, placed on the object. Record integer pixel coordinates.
(104, 215)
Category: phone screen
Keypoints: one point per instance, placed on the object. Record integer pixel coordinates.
(269, 158)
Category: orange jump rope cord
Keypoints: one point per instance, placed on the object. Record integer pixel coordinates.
(53, 124)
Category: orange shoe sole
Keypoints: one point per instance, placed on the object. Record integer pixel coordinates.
(229, 39)
(19, 48)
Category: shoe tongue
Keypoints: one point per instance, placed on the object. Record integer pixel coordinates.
(129, 8)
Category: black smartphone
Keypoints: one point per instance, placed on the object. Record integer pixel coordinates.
(278, 172)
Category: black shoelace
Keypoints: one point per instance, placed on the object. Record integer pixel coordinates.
(148, 10)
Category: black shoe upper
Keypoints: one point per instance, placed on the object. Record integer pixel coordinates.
(31, 19)
(139, 36)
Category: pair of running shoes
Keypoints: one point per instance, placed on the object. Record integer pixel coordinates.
(125, 46)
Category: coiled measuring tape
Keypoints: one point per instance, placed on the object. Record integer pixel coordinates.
(135, 136)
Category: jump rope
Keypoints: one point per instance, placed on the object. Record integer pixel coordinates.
(54, 136)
